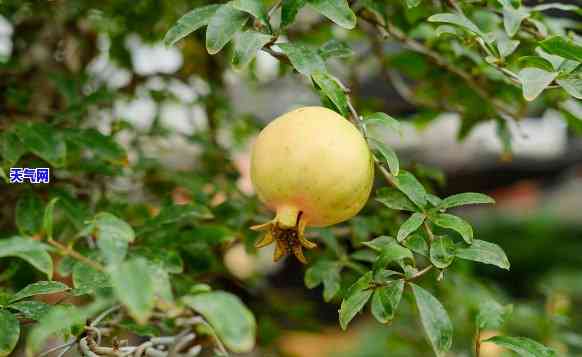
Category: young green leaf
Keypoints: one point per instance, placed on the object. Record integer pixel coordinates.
(29, 211)
(458, 20)
(383, 119)
(409, 185)
(388, 155)
(113, 236)
(417, 243)
(30, 309)
(332, 90)
(326, 272)
(337, 11)
(435, 320)
(534, 81)
(390, 253)
(176, 215)
(410, 226)
(386, 299)
(484, 252)
(43, 140)
(467, 198)
(492, 315)
(47, 222)
(11, 148)
(289, 9)
(222, 26)
(134, 287)
(39, 288)
(335, 48)
(246, 45)
(512, 18)
(536, 62)
(9, 332)
(394, 199)
(412, 3)
(233, 323)
(253, 7)
(304, 59)
(189, 23)
(455, 223)
(563, 47)
(356, 297)
(103, 146)
(33, 252)
(442, 252)
(87, 280)
(379, 243)
(523, 346)
(572, 84)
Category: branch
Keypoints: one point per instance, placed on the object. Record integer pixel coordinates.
(389, 30)
(69, 251)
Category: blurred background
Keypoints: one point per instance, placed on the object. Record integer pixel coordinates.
(188, 119)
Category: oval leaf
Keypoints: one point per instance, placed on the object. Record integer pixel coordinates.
(246, 46)
(442, 252)
(435, 320)
(410, 226)
(394, 199)
(386, 300)
(409, 185)
(33, 252)
(455, 223)
(356, 297)
(225, 22)
(534, 81)
(337, 11)
(39, 288)
(134, 287)
(484, 252)
(523, 346)
(233, 323)
(9, 332)
(189, 23)
(113, 236)
(304, 59)
(467, 198)
(332, 90)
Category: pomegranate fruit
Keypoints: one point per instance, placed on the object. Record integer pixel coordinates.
(313, 168)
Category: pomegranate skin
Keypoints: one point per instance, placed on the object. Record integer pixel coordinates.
(313, 168)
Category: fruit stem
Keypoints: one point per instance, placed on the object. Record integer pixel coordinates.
(287, 217)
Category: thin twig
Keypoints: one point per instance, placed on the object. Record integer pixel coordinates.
(68, 251)
(56, 348)
(104, 314)
(420, 273)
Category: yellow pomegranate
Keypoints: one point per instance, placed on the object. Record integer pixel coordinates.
(313, 168)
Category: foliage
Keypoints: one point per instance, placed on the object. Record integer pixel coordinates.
(137, 239)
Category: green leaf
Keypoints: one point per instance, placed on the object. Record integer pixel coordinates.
(417, 244)
(102, 146)
(87, 280)
(47, 221)
(337, 11)
(134, 287)
(563, 47)
(39, 288)
(535, 61)
(523, 346)
(388, 155)
(9, 332)
(390, 253)
(458, 20)
(386, 300)
(506, 46)
(176, 215)
(162, 283)
(113, 236)
(332, 90)
(455, 223)
(44, 141)
(557, 6)
(356, 297)
(433, 200)
(383, 119)
(289, 10)
(33, 252)
(189, 23)
(335, 48)
(442, 252)
(253, 7)
(467, 198)
(31, 309)
(233, 322)
(435, 320)
(304, 59)
(484, 252)
(12, 148)
(325, 272)
(410, 226)
(572, 84)
(380, 242)
(534, 81)
(29, 211)
(409, 185)
(222, 26)
(58, 319)
(394, 199)
(492, 315)
(512, 18)
(246, 45)
(412, 3)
